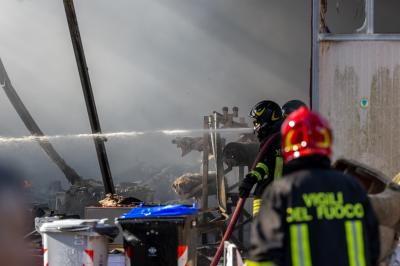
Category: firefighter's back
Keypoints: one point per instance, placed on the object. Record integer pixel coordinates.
(329, 219)
(314, 215)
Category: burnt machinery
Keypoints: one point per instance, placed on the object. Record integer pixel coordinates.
(222, 157)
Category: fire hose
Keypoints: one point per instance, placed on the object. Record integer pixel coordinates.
(240, 204)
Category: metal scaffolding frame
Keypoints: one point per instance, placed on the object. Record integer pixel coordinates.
(214, 219)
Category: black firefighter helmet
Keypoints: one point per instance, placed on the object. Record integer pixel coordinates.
(291, 106)
(267, 117)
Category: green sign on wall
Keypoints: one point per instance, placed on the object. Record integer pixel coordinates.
(364, 103)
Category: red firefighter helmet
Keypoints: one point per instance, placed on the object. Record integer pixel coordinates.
(305, 133)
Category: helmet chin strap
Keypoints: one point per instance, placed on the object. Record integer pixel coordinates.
(265, 130)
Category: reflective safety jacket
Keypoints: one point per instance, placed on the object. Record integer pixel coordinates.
(270, 167)
(315, 216)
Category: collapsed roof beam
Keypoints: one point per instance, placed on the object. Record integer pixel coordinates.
(88, 94)
(34, 129)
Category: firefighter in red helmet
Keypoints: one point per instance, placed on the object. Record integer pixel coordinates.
(314, 215)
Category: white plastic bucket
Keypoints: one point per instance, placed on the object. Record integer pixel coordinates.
(74, 242)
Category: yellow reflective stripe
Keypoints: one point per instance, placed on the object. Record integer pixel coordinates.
(256, 263)
(294, 246)
(278, 167)
(257, 175)
(256, 205)
(355, 243)
(306, 245)
(256, 211)
(264, 167)
(350, 243)
(257, 202)
(300, 245)
(360, 241)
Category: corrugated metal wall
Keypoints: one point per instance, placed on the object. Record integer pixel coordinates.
(359, 92)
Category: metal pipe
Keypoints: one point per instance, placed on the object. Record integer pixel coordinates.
(221, 192)
(210, 119)
(204, 196)
(359, 37)
(368, 25)
(369, 15)
(315, 55)
(88, 94)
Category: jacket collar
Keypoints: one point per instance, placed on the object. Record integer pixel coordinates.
(308, 162)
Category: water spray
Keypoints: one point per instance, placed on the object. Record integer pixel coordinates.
(121, 134)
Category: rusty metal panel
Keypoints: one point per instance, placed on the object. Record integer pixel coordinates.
(359, 92)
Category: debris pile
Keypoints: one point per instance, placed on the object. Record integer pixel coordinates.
(190, 185)
(113, 200)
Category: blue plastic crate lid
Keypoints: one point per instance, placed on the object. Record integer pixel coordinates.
(161, 210)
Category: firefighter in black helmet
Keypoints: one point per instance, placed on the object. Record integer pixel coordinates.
(267, 119)
(291, 106)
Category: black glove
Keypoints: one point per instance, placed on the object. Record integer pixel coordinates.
(246, 185)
